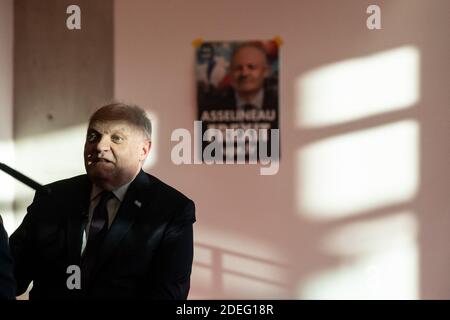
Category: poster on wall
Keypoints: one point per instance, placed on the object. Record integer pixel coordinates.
(237, 97)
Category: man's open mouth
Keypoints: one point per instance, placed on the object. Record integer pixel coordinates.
(99, 160)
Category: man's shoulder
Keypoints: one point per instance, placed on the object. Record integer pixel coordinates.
(165, 199)
(148, 183)
(164, 190)
(75, 183)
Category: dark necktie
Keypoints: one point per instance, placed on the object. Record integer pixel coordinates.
(97, 232)
(99, 221)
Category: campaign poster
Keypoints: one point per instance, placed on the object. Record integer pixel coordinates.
(238, 89)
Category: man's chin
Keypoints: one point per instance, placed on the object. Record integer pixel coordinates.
(108, 177)
(102, 172)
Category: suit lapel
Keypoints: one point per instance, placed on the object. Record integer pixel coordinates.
(136, 199)
(76, 220)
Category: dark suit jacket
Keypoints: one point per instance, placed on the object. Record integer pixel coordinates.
(7, 284)
(147, 252)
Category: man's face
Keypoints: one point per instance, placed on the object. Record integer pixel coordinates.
(248, 71)
(114, 153)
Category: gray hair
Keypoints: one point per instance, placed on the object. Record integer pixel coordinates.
(133, 114)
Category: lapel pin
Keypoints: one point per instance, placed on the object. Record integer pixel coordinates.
(138, 203)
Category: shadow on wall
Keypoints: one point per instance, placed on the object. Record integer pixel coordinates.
(217, 272)
(358, 163)
(354, 234)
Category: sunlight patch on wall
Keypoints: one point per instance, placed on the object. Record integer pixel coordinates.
(350, 173)
(46, 158)
(359, 87)
(377, 259)
(52, 156)
(238, 267)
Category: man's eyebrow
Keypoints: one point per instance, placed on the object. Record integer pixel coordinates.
(122, 131)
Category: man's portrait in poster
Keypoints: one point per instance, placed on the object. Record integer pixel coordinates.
(237, 85)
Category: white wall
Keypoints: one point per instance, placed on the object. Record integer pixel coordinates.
(359, 206)
(6, 111)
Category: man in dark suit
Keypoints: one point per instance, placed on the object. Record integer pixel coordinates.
(7, 284)
(130, 234)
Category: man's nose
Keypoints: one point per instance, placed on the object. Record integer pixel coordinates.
(244, 71)
(103, 144)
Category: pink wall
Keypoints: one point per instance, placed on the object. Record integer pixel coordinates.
(260, 236)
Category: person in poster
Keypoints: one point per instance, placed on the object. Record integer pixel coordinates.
(241, 93)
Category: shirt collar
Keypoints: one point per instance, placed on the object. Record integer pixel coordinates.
(119, 193)
(257, 100)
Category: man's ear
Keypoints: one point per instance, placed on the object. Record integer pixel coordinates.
(146, 146)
